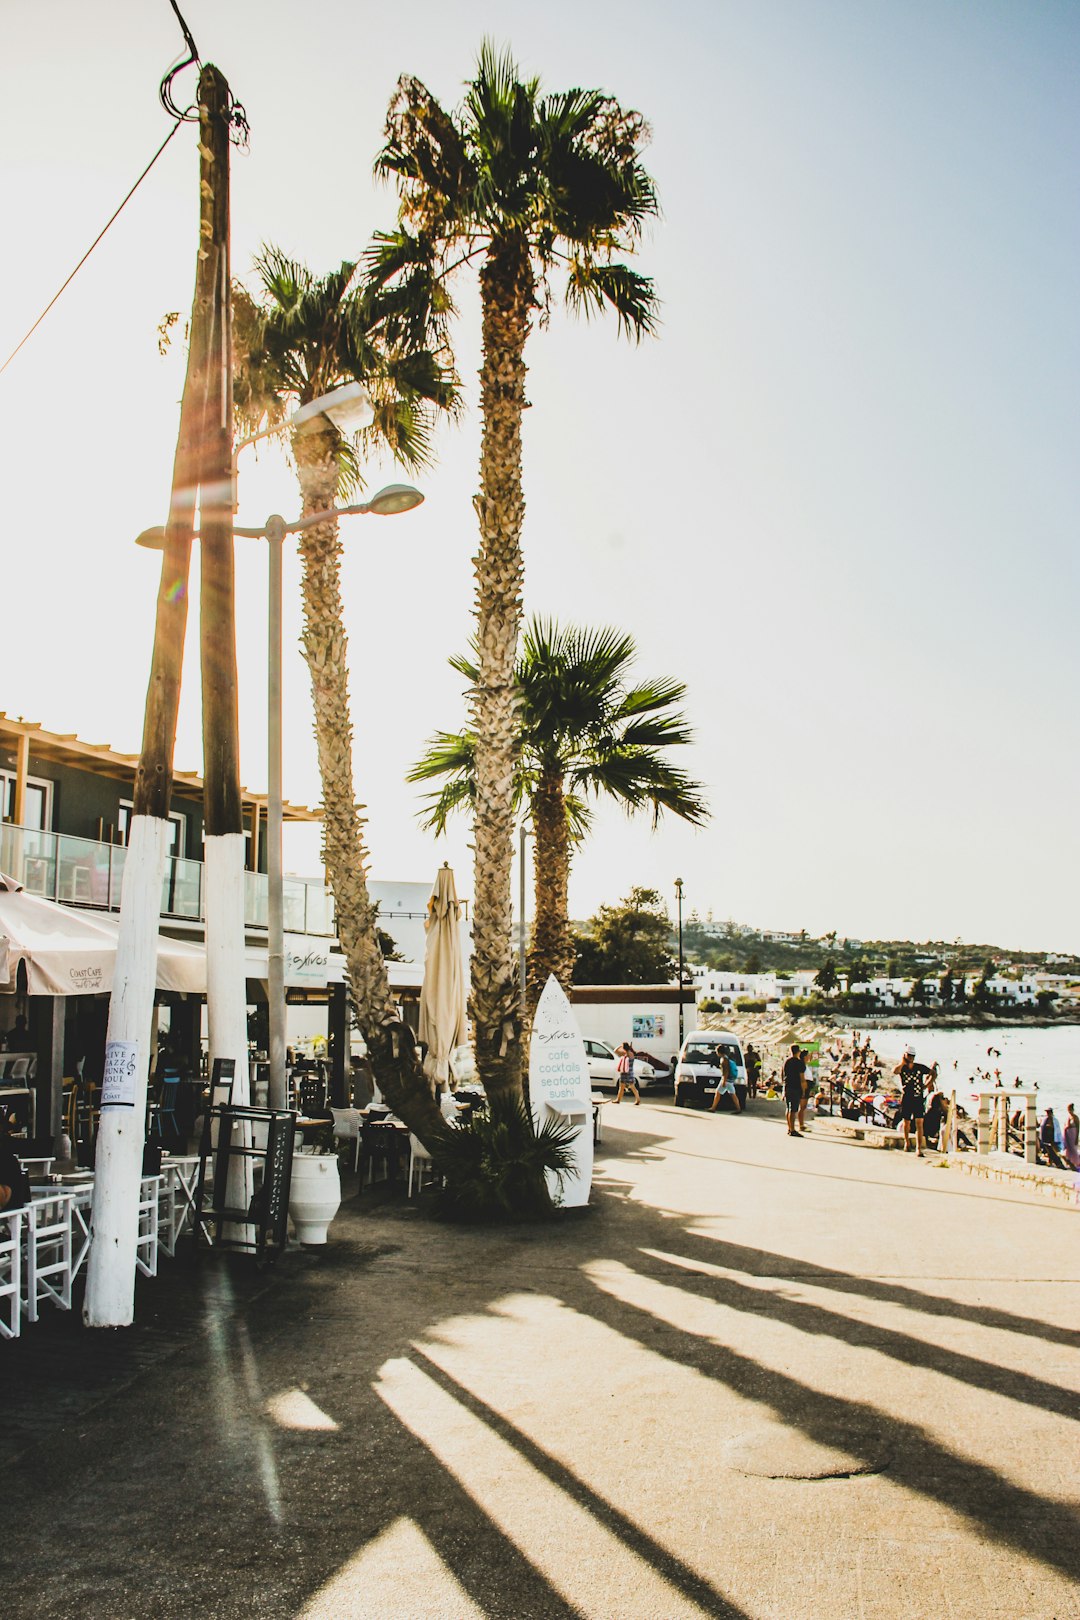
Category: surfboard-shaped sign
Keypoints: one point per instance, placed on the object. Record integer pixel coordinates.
(559, 1086)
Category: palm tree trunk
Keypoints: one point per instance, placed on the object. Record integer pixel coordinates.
(390, 1043)
(552, 946)
(506, 284)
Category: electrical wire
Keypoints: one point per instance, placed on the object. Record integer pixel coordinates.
(91, 248)
(238, 130)
(165, 96)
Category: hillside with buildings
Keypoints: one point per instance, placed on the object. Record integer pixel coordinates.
(733, 964)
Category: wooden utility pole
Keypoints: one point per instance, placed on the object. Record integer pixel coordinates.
(110, 1283)
(223, 823)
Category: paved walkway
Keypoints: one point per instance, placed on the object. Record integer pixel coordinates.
(763, 1379)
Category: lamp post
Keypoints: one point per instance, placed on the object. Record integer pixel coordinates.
(678, 898)
(388, 502)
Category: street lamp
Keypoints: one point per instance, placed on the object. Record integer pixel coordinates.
(347, 407)
(678, 896)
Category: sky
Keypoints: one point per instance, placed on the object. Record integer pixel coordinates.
(837, 495)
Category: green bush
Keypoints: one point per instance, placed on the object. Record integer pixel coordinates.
(749, 1004)
(495, 1164)
(707, 1004)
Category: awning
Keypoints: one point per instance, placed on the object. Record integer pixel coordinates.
(73, 953)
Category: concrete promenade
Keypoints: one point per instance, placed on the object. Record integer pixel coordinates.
(762, 1379)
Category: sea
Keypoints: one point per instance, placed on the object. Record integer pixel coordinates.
(1048, 1058)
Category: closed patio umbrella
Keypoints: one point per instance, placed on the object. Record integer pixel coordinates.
(443, 1024)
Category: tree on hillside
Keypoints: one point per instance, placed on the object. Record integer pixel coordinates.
(627, 944)
(858, 973)
(585, 733)
(826, 977)
(945, 988)
(303, 336)
(528, 186)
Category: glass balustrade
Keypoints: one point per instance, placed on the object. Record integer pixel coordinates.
(86, 872)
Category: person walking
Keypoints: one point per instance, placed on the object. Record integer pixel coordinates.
(794, 1069)
(624, 1070)
(725, 1085)
(1071, 1138)
(1051, 1140)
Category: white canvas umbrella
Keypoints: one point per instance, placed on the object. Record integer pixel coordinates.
(73, 953)
(443, 1023)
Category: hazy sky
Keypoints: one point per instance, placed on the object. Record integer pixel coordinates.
(838, 495)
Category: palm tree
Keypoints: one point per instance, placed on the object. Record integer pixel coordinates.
(305, 336)
(584, 732)
(528, 185)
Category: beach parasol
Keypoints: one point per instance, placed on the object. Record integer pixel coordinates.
(443, 1023)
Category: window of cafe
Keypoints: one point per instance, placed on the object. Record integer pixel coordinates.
(38, 812)
(177, 828)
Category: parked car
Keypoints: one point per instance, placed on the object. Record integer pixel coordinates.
(700, 1066)
(603, 1072)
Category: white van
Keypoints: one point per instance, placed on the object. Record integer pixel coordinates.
(701, 1063)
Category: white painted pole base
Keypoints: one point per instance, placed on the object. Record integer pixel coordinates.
(226, 982)
(110, 1274)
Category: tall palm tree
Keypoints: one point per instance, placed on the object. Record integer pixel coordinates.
(585, 733)
(528, 186)
(303, 337)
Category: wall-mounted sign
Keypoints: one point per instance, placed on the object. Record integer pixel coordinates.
(647, 1027)
(306, 961)
(121, 1073)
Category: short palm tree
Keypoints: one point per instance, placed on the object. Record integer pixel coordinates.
(529, 186)
(303, 337)
(585, 732)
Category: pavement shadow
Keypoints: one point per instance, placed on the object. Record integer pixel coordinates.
(152, 1481)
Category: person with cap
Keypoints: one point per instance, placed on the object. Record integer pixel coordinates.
(912, 1077)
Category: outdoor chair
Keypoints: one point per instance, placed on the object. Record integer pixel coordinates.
(347, 1129)
(374, 1149)
(49, 1270)
(11, 1236)
(419, 1160)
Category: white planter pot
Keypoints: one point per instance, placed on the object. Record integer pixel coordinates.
(315, 1196)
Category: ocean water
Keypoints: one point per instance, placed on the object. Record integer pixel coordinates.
(1048, 1058)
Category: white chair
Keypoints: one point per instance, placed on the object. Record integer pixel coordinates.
(146, 1250)
(347, 1129)
(11, 1235)
(49, 1270)
(419, 1158)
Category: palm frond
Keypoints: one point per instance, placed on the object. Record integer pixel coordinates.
(592, 287)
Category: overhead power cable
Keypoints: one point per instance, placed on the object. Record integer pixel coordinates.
(180, 116)
(91, 248)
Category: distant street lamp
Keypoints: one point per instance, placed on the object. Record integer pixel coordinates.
(678, 896)
(348, 408)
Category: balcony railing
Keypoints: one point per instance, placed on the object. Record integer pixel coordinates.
(85, 872)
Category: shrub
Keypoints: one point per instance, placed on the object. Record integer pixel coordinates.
(496, 1164)
(709, 1004)
(749, 1004)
